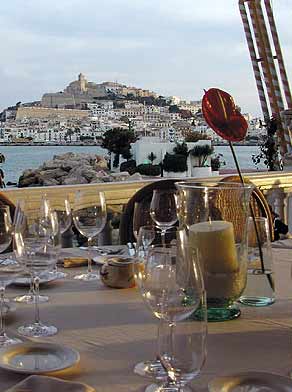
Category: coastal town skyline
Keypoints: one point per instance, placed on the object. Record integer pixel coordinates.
(173, 48)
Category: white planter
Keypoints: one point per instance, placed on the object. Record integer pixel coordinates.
(175, 174)
(201, 171)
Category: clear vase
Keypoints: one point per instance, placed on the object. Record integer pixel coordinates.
(215, 217)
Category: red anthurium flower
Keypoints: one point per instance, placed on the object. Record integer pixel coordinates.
(222, 116)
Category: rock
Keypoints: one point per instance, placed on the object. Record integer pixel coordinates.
(50, 182)
(101, 163)
(54, 173)
(121, 176)
(136, 177)
(10, 183)
(74, 180)
(27, 181)
(71, 168)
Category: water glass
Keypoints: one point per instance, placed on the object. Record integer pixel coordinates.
(259, 290)
(173, 288)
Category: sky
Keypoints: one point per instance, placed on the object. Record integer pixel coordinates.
(172, 47)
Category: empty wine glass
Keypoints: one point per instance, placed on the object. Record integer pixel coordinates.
(141, 217)
(7, 272)
(23, 217)
(34, 247)
(148, 234)
(89, 216)
(61, 206)
(173, 289)
(163, 209)
(145, 238)
(38, 256)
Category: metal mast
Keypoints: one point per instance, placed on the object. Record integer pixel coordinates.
(268, 63)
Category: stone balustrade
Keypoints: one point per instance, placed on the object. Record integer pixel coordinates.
(275, 185)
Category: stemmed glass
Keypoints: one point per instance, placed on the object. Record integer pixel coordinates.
(34, 247)
(145, 237)
(141, 218)
(89, 216)
(163, 209)
(7, 272)
(173, 288)
(61, 207)
(22, 219)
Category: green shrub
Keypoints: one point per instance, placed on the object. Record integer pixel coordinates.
(175, 163)
(129, 166)
(181, 149)
(147, 169)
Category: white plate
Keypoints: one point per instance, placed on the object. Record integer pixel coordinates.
(26, 280)
(37, 358)
(251, 382)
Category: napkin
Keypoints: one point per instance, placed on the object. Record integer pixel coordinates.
(70, 262)
(49, 384)
(284, 244)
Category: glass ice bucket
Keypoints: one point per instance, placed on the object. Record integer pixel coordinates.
(214, 215)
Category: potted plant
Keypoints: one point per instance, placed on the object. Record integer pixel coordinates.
(199, 156)
(175, 165)
(216, 163)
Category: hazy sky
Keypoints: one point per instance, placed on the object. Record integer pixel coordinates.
(174, 47)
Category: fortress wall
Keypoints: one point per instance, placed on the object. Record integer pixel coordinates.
(37, 112)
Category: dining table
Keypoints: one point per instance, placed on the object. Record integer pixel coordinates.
(113, 330)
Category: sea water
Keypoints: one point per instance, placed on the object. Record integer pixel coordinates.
(20, 158)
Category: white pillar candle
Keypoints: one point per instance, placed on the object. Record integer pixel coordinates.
(214, 241)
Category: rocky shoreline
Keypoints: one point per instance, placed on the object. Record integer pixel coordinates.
(72, 168)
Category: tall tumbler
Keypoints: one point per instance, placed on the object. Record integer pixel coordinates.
(259, 290)
(215, 215)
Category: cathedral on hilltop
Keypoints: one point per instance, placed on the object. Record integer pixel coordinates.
(76, 94)
(80, 92)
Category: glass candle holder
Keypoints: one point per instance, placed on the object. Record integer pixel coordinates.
(215, 217)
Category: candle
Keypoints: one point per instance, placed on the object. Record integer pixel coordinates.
(214, 241)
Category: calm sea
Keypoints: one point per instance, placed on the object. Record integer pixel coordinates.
(20, 158)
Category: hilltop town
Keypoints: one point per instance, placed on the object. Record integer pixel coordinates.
(83, 111)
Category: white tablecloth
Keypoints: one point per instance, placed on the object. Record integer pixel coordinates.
(113, 331)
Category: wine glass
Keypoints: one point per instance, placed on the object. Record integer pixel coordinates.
(62, 209)
(7, 272)
(173, 288)
(89, 216)
(22, 219)
(34, 247)
(163, 209)
(141, 217)
(146, 236)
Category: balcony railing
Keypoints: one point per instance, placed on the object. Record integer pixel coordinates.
(275, 185)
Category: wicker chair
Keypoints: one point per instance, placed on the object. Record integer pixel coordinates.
(258, 203)
(143, 197)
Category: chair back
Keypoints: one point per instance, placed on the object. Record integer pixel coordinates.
(143, 197)
(258, 202)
